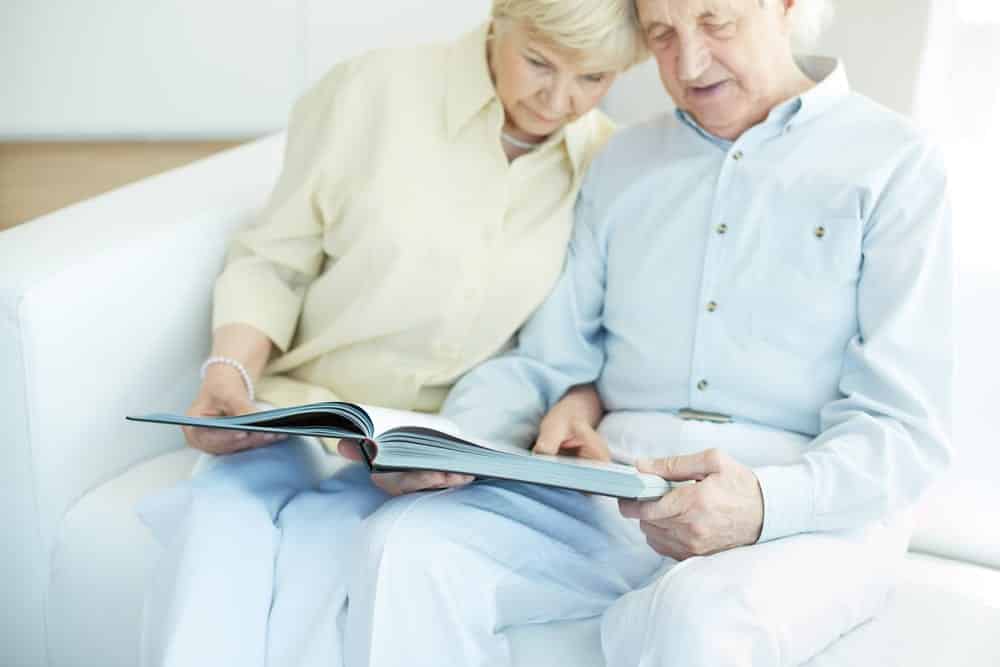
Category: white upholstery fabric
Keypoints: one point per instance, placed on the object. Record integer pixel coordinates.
(104, 308)
(943, 612)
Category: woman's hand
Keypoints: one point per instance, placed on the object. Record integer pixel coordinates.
(224, 394)
(569, 427)
(398, 483)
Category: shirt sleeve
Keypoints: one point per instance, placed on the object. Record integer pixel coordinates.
(881, 444)
(270, 264)
(504, 398)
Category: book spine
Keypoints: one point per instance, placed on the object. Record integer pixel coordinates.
(369, 449)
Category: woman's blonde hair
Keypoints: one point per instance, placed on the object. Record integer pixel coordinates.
(603, 34)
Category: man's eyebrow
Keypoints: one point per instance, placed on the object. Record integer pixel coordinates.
(657, 24)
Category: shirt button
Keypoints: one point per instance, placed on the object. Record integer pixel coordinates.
(738, 155)
(722, 229)
(820, 232)
(702, 385)
(711, 307)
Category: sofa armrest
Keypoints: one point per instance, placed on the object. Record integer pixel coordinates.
(105, 311)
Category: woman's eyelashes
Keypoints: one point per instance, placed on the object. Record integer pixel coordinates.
(545, 66)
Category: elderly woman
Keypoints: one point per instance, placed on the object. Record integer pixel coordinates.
(422, 214)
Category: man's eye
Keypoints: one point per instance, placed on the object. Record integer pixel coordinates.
(721, 27)
(538, 63)
(596, 78)
(663, 36)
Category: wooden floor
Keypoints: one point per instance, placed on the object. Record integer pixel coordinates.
(40, 177)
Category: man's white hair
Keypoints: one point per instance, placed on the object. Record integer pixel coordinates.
(809, 19)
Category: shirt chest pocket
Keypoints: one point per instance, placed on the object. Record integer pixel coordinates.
(806, 282)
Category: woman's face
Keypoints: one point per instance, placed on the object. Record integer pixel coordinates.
(541, 88)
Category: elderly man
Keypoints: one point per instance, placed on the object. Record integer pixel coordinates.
(759, 285)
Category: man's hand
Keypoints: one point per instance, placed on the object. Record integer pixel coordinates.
(399, 483)
(572, 438)
(723, 510)
(568, 428)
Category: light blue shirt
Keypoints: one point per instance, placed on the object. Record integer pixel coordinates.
(798, 277)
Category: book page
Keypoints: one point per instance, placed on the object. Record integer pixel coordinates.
(388, 418)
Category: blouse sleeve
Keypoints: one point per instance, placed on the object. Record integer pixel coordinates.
(270, 264)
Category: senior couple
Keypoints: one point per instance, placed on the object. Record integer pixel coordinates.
(752, 292)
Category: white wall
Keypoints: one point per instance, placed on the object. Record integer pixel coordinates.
(231, 68)
(188, 68)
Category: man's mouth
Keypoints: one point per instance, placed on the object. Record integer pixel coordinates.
(710, 89)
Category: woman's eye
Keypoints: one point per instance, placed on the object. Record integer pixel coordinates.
(595, 78)
(541, 64)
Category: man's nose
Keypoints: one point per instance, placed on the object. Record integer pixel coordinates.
(693, 58)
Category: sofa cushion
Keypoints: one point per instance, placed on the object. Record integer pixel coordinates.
(943, 611)
(958, 517)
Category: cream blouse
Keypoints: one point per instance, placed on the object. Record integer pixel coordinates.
(399, 247)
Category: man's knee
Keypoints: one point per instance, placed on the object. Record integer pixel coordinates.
(702, 613)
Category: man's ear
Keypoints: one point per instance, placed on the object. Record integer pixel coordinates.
(787, 6)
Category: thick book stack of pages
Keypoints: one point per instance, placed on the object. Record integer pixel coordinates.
(399, 440)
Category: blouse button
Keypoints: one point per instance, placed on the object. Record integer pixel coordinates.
(722, 229)
(820, 232)
(702, 385)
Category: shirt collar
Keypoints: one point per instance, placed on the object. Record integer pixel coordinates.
(470, 86)
(831, 85)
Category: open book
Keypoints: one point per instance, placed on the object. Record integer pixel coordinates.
(400, 440)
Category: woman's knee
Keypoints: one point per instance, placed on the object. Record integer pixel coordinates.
(257, 482)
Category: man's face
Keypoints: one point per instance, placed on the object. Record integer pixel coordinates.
(723, 61)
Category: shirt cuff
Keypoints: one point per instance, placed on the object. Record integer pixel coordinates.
(788, 500)
(254, 295)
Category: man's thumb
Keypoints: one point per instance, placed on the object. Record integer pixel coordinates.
(677, 468)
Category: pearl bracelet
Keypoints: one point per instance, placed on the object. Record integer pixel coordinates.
(234, 364)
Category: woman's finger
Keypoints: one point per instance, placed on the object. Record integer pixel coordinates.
(350, 449)
(223, 441)
(399, 483)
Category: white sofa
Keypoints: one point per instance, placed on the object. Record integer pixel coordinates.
(104, 311)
